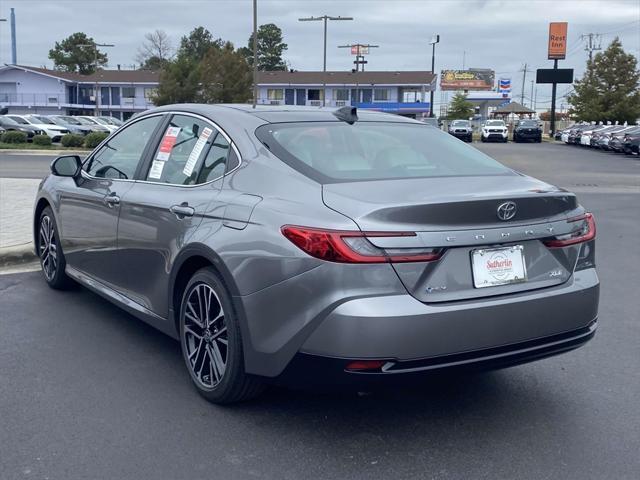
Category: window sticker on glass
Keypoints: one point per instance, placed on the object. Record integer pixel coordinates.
(156, 169)
(197, 150)
(168, 141)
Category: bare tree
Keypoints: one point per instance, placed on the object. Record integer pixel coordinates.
(156, 50)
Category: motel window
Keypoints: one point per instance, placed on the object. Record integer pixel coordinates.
(275, 94)
(315, 94)
(150, 93)
(381, 94)
(341, 94)
(128, 92)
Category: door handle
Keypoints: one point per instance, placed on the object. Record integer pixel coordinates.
(112, 200)
(182, 210)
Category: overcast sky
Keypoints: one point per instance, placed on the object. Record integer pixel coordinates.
(496, 34)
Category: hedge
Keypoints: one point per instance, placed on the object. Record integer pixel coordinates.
(94, 139)
(14, 137)
(72, 140)
(44, 140)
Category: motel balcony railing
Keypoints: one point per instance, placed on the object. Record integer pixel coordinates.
(63, 101)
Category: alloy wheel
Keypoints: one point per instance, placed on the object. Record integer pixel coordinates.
(205, 336)
(48, 247)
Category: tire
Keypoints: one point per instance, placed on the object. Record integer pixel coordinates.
(515, 139)
(482, 139)
(50, 252)
(217, 370)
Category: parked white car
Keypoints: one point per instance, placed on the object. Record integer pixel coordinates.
(585, 138)
(56, 132)
(99, 121)
(494, 130)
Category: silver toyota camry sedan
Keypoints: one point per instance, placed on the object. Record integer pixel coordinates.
(315, 246)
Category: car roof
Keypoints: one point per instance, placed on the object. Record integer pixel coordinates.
(278, 113)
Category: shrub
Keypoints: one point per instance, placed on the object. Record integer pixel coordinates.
(14, 137)
(44, 140)
(72, 140)
(94, 139)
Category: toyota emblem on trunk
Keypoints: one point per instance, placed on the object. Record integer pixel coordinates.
(507, 210)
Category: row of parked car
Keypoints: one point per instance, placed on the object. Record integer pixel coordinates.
(616, 138)
(497, 130)
(57, 126)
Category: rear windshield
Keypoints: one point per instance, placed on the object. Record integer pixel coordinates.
(332, 152)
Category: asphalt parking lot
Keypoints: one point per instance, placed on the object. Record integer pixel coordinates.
(87, 391)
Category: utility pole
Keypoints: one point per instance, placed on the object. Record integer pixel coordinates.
(524, 77)
(434, 40)
(95, 88)
(255, 52)
(591, 46)
(464, 57)
(324, 18)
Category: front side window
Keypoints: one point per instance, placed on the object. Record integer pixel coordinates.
(120, 156)
(332, 152)
(190, 152)
(19, 120)
(275, 94)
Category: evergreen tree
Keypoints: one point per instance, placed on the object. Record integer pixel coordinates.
(225, 76)
(198, 43)
(609, 89)
(77, 53)
(459, 108)
(270, 48)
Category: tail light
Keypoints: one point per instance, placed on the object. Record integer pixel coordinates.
(346, 246)
(365, 365)
(584, 231)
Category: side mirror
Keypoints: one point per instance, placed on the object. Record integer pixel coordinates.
(66, 166)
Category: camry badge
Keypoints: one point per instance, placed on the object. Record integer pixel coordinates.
(507, 210)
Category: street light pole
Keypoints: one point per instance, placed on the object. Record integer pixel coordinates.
(435, 39)
(3, 19)
(95, 57)
(324, 18)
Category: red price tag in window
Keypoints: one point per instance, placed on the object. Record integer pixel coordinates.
(168, 141)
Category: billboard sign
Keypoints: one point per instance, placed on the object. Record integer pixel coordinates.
(554, 75)
(359, 49)
(557, 40)
(473, 79)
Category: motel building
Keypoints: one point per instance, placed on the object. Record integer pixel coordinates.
(33, 90)
(404, 93)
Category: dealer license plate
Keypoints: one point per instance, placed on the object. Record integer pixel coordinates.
(498, 266)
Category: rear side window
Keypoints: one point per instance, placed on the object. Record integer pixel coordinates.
(190, 152)
(338, 152)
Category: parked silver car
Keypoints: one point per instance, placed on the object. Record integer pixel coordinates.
(302, 245)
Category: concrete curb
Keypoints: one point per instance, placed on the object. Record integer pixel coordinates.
(47, 153)
(44, 152)
(17, 254)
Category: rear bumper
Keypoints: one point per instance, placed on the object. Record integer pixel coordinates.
(401, 328)
(327, 371)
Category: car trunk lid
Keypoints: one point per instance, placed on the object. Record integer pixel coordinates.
(460, 216)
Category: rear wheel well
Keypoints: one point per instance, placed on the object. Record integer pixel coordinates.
(187, 269)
